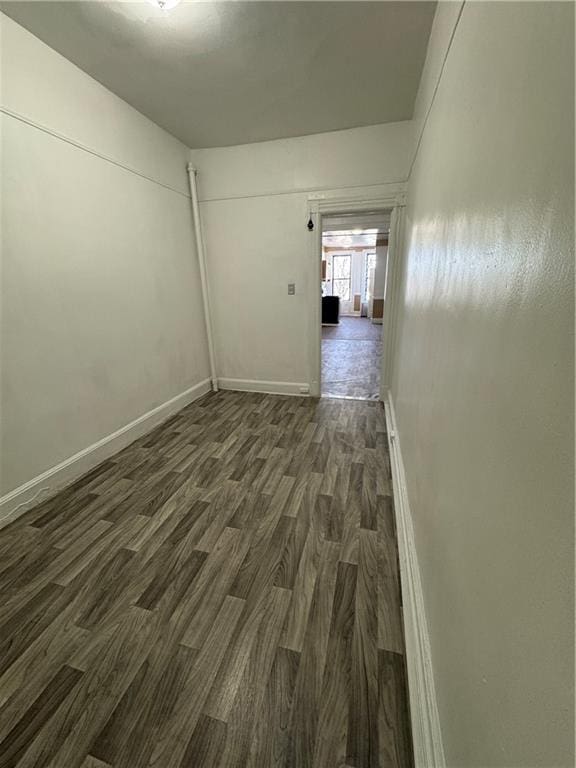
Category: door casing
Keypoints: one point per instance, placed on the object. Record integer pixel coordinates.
(319, 207)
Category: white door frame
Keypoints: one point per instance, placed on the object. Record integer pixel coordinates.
(318, 207)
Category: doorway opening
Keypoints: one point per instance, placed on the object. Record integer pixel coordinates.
(354, 268)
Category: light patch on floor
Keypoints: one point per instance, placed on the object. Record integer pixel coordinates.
(351, 357)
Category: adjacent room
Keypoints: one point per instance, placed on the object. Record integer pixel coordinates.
(286, 384)
(354, 262)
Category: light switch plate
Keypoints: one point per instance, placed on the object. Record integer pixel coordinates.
(291, 289)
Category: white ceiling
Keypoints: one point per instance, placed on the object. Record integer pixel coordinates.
(349, 239)
(347, 222)
(222, 73)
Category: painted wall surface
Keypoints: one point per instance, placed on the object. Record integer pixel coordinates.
(101, 305)
(47, 89)
(254, 205)
(483, 383)
(381, 252)
(254, 249)
(356, 157)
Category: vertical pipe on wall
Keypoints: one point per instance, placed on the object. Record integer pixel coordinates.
(203, 274)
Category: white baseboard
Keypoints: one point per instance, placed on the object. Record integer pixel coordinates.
(426, 733)
(267, 387)
(18, 501)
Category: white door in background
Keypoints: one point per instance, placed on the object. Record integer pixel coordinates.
(368, 280)
(342, 281)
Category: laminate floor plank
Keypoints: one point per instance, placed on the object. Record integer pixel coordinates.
(15, 544)
(211, 587)
(271, 739)
(222, 593)
(362, 745)
(147, 704)
(229, 678)
(31, 620)
(206, 744)
(308, 687)
(17, 741)
(333, 721)
(390, 633)
(172, 742)
(290, 561)
(27, 677)
(102, 545)
(79, 523)
(66, 738)
(352, 515)
(302, 593)
(249, 701)
(93, 762)
(393, 718)
(223, 502)
(261, 538)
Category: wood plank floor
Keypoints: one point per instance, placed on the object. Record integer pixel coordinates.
(224, 592)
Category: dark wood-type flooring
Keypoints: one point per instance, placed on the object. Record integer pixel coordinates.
(223, 592)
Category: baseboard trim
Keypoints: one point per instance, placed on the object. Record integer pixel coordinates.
(18, 501)
(266, 387)
(426, 733)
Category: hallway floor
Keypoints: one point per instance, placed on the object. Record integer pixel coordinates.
(351, 357)
(223, 592)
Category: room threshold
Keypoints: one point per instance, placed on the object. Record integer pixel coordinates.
(350, 397)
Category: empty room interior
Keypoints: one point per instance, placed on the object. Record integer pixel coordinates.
(287, 384)
(353, 274)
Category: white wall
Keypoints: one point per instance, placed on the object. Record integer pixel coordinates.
(483, 382)
(101, 305)
(254, 211)
(380, 273)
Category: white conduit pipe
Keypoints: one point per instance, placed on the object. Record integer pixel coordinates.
(203, 275)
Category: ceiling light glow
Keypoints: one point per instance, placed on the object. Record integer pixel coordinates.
(164, 5)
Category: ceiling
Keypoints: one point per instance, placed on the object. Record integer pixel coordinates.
(377, 221)
(222, 73)
(351, 239)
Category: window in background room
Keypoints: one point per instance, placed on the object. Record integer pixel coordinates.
(369, 276)
(341, 273)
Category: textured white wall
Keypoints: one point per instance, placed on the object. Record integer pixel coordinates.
(254, 212)
(101, 305)
(46, 88)
(380, 271)
(255, 247)
(356, 157)
(483, 380)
